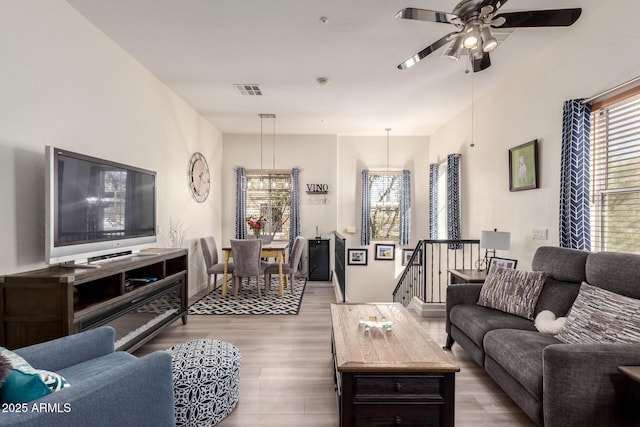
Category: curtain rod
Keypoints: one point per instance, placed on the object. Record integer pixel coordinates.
(608, 91)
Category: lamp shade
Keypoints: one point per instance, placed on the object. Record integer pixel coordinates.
(495, 240)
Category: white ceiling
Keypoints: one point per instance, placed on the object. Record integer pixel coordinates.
(200, 48)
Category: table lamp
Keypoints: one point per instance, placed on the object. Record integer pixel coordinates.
(492, 241)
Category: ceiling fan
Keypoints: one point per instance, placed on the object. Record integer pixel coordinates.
(474, 20)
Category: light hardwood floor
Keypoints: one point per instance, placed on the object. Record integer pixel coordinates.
(286, 374)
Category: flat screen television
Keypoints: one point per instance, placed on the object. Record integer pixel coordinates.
(95, 207)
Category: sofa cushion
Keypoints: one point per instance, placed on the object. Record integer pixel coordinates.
(520, 354)
(96, 366)
(565, 270)
(562, 264)
(615, 272)
(599, 316)
(25, 383)
(475, 321)
(512, 291)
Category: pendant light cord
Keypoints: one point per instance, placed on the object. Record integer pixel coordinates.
(388, 129)
(473, 144)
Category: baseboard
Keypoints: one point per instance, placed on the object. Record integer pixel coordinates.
(427, 309)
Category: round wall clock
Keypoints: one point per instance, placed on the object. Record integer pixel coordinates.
(199, 178)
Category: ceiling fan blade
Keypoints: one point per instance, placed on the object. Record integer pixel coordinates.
(540, 18)
(496, 4)
(426, 15)
(410, 62)
(481, 63)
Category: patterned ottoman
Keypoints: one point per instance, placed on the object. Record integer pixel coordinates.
(206, 380)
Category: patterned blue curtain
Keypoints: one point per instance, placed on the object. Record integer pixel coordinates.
(365, 229)
(433, 201)
(241, 204)
(294, 230)
(405, 209)
(575, 229)
(453, 199)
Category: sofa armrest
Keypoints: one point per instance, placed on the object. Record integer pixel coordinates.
(582, 384)
(466, 293)
(70, 350)
(137, 393)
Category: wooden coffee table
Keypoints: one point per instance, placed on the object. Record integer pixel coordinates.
(388, 378)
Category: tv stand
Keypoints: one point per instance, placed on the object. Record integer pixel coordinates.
(84, 265)
(137, 295)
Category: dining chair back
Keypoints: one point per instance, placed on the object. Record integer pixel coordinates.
(247, 262)
(291, 267)
(211, 260)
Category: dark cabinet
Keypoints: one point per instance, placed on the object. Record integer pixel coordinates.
(137, 295)
(319, 265)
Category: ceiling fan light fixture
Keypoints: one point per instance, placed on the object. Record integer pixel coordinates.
(456, 49)
(488, 41)
(476, 52)
(472, 36)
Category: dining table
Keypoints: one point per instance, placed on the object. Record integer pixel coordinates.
(275, 249)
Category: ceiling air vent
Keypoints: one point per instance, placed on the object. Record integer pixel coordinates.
(249, 90)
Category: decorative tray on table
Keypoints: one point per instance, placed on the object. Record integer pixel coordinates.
(373, 322)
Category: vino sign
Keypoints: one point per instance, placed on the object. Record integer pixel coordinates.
(317, 188)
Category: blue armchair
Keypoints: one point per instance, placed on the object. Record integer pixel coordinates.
(107, 387)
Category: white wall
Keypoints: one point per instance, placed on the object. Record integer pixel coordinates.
(376, 281)
(598, 53)
(64, 83)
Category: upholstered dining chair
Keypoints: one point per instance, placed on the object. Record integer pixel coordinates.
(247, 262)
(290, 268)
(210, 254)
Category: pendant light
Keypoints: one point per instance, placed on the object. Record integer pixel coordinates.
(472, 143)
(267, 182)
(386, 199)
(388, 130)
(261, 183)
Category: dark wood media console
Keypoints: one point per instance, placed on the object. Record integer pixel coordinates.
(138, 295)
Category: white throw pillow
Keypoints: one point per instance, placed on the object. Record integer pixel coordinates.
(547, 323)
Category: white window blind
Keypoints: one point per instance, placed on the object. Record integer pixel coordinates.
(385, 189)
(269, 196)
(615, 176)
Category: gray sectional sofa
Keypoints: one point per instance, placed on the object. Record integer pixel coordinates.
(554, 383)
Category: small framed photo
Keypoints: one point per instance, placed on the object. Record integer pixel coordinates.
(357, 256)
(523, 166)
(496, 262)
(385, 251)
(406, 256)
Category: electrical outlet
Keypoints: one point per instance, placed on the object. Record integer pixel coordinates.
(540, 233)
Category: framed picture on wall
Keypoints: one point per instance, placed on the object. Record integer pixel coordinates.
(357, 256)
(385, 251)
(496, 262)
(407, 254)
(523, 166)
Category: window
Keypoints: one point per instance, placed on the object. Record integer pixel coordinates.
(269, 196)
(615, 174)
(384, 190)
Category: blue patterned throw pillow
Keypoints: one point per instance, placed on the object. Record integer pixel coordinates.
(25, 383)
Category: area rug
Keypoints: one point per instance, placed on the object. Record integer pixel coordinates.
(248, 302)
